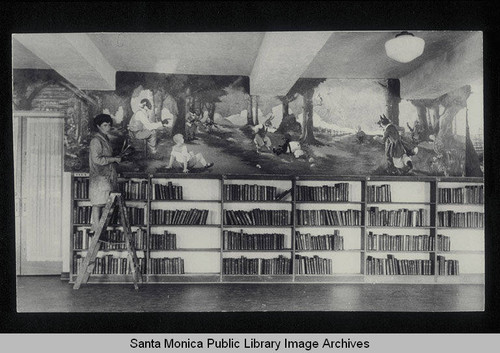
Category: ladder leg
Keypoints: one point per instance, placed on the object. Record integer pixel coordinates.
(89, 261)
(132, 255)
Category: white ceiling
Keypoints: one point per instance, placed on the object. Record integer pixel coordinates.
(272, 60)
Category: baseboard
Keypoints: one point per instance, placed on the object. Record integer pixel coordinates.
(64, 276)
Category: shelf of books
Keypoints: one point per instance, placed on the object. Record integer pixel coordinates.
(257, 230)
(460, 229)
(112, 262)
(184, 229)
(329, 228)
(269, 228)
(400, 239)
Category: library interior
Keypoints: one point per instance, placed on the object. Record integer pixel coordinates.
(249, 171)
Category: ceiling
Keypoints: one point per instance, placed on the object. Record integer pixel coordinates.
(273, 60)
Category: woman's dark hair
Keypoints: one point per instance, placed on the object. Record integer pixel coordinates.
(146, 102)
(102, 118)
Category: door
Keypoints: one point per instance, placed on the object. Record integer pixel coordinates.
(38, 152)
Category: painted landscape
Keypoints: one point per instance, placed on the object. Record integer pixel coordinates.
(322, 126)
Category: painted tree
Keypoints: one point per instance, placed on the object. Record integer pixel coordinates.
(451, 155)
(305, 87)
(250, 110)
(208, 91)
(203, 92)
(427, 126)
(452, 103)
(472, 162)
(285, 104)
(392, 99)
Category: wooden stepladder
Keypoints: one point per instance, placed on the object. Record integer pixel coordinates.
(115, 199)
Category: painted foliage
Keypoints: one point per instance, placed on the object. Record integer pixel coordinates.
(322, 126)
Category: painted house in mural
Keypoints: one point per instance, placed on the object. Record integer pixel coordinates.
(322, 125)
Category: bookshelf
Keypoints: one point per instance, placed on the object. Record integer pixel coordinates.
(292, 229)
(460, 217)
(400, 239)
(189, 209)
(112, 262)
(257, 229)
(330, 209)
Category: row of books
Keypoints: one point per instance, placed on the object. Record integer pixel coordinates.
(398, 218)
(115, 239)
(380, 193)
(307, 241)
(280, 265)
(81, 188)
(447, 267)
(82, 214)
(81, 239)
(393, 266)
(164, 241)
(336, 193)
(167, 192)
(192, 216)
(257, 217)
(241, 266)
(246, 192)
(460, 219)
(339, 192)
(328, 218)
(166, 266)
(470, 194)
(136, 216)
(243, 241)
(313, 265)
(108, 265)
(134, 190)
(386, 242)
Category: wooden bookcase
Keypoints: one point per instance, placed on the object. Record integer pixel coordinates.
(261, 249)
(293, 229)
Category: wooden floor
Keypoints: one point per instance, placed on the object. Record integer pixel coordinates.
(50, 294)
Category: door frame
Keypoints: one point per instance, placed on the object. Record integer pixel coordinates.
(24, 267)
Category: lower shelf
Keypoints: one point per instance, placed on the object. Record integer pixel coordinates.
(336, 278)
(113, 279)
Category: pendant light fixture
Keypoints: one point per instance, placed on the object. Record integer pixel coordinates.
(405, 47)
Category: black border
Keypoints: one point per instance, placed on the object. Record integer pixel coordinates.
(252, 16)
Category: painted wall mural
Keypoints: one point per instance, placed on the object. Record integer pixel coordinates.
(322, 126)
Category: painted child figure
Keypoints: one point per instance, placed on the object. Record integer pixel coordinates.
(193, 118)
(181, 158)
(285, 147)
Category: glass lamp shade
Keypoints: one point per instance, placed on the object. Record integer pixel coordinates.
(405, 47)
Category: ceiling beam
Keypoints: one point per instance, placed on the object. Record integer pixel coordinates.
(454, 69)
(75, 57)
(282, 59)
